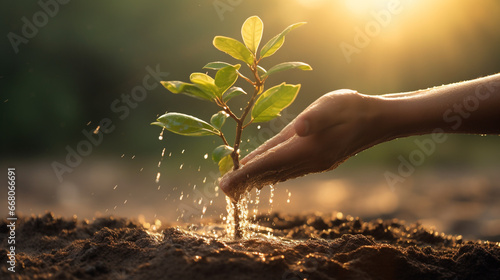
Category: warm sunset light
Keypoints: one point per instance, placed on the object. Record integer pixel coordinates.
(250, 139)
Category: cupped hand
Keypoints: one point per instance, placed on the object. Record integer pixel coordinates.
(333, 128)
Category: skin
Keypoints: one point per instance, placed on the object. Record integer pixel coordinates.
(342, 123)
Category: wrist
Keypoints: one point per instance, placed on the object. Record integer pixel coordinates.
(409, 114)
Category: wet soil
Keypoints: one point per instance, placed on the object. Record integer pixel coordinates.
(310, 246)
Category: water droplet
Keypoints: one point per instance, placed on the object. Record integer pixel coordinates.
(125, 202)
(122, 155)
(183, 151)
(194, 187)
(205, 156)
(258, 127)
(180, 167)
(163, 152)
(114, 188)
(159, 187)
(204, 180)
(158, 177)
(142, 168)
(161, 134)
(204, 209)
(182, 195)
(133, 156)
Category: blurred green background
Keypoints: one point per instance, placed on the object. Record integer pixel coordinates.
(86, 55)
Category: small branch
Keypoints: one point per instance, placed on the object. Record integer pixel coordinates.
(247, 79)
(223, 139)
(249, 123)
(231, 114)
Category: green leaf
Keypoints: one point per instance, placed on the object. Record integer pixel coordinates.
(218, 120)
(277, 41)
(273, 101)
(225, 78)
(186, 125)
(225, 165)
(288, 65)
(234, 48)
(188, 89)
(232, 92)
(251, 32)
(205, 82)
(221, 152)
(216, 65)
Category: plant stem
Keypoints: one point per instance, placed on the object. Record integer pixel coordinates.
(258, 86)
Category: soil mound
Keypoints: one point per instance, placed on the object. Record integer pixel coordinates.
(310, 246)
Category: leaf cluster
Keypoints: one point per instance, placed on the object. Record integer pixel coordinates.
(263, 105)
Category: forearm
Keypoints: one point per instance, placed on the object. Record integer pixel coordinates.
(466, 107)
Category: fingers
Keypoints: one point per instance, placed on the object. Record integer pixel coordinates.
(262, 170)
(286, 133)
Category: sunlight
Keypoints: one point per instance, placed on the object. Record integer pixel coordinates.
(362, 6)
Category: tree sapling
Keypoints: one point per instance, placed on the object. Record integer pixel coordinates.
(262, 105)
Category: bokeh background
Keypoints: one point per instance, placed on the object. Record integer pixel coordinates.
(65, 73)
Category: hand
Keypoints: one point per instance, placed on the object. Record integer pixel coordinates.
(333, 128)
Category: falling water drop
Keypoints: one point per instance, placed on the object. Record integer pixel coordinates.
(204, 180)
(271, 195)
(182, 195)
(258, 127)
(183, 151)
(161, 134)
(180, 167)
(158, 177)
(114, 188)
(205, 156)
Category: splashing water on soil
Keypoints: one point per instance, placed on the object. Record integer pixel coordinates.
(330, 246)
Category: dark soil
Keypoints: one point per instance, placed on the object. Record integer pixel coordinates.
(308, 246)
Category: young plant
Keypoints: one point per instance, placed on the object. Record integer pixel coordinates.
(262, 105)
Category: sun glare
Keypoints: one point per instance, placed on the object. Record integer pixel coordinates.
(362, 6)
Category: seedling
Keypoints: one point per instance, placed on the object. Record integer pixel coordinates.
(262, 105)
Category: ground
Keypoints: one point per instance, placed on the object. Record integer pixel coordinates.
(313, 246)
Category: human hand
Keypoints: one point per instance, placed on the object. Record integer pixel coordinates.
(333, 128)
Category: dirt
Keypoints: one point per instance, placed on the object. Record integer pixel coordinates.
(309, 246)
